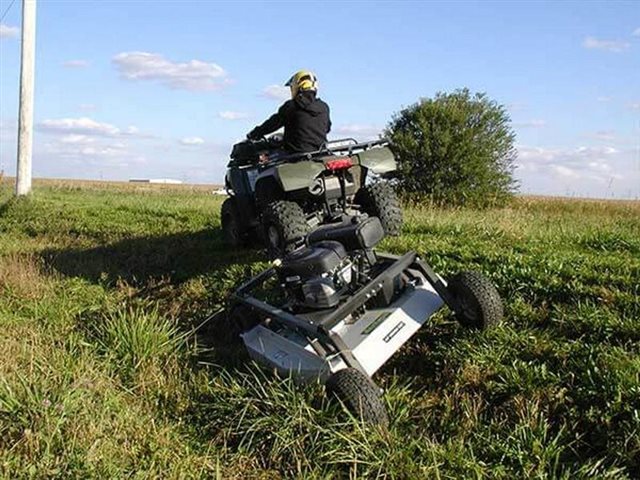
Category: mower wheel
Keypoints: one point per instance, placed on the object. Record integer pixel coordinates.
(229, 219)
(479, 303)
(359, 394)
(380, 200)
(284, 225)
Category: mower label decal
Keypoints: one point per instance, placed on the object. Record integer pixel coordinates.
(376, 323)
(394, 331)
(280, 354)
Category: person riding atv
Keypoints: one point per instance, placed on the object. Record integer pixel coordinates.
(305, 117)
(281, 188)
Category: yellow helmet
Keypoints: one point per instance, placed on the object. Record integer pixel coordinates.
(302, 81)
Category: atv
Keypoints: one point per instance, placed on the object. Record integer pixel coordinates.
(336, 310)
(279, 197)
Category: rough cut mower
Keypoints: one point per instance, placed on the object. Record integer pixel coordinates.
(279, 197)
(336, 310)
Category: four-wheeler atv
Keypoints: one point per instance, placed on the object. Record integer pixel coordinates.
(336, 310)
(279, 198)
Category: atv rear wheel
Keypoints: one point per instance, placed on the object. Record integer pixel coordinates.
(479, 303)
(284, 225)
(230, 221)
(359, 395)
(380, 200)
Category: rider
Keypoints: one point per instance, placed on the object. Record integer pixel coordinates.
(305, 117)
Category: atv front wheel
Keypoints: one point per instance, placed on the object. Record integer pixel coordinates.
(380, 200)
(359, 395)
(479, 303)
(229, 219)
(284, 225)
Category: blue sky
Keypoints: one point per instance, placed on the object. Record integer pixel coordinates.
(162, 89)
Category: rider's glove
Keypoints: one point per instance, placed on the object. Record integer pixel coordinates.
(252, 135)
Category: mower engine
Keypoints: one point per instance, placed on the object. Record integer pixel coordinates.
(315, 277)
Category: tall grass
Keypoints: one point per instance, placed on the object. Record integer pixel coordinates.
(137, 340)
(109, 367)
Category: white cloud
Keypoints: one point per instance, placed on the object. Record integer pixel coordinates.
(194, 75)
(564, 171)
(84, 147)
(87, 107)
(600, 166)
(227, 115)
(81, 126)
(360, 132)
(75, 139)
(607, 45)
(606, 135)
(8, 125)
(530, 124)
(516, 106)
(635, 106)
(102, 151)
(636, 32)
(581, 162)
(529, 157)
(192, 141)
(89, 127)
(75, 64)
(84, 153)
(603, 99)
(7, 31)
(276, 92)
(8, 139)
(600, 171)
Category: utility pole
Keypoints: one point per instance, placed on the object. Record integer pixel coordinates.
(25, 115)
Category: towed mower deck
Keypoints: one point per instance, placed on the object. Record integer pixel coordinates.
(314, 346)
(348, 310)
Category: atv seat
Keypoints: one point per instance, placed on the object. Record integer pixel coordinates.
(355, 234)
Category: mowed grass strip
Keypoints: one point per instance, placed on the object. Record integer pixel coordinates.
(109, 370)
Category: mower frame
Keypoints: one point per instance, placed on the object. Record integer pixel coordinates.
(329, 334)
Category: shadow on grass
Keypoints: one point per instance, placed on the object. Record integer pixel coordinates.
(219, 346)
(423, 357)
(177, 257)
(156, 266)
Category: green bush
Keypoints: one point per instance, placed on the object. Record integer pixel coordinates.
(455, 149)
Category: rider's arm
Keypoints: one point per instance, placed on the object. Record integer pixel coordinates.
(273, 123)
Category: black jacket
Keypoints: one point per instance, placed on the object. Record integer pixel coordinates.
(305, 120)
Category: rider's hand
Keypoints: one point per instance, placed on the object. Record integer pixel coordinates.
(252, 135)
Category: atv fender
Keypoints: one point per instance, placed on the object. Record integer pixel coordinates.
(377, 160)
(294, 176)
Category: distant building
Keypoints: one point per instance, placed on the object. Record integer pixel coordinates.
(156, 180)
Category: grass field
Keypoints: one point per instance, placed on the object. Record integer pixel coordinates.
(108, 371)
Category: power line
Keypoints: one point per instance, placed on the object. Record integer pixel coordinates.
(7, 10)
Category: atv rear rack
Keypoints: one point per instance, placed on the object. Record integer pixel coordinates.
(347, 149)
